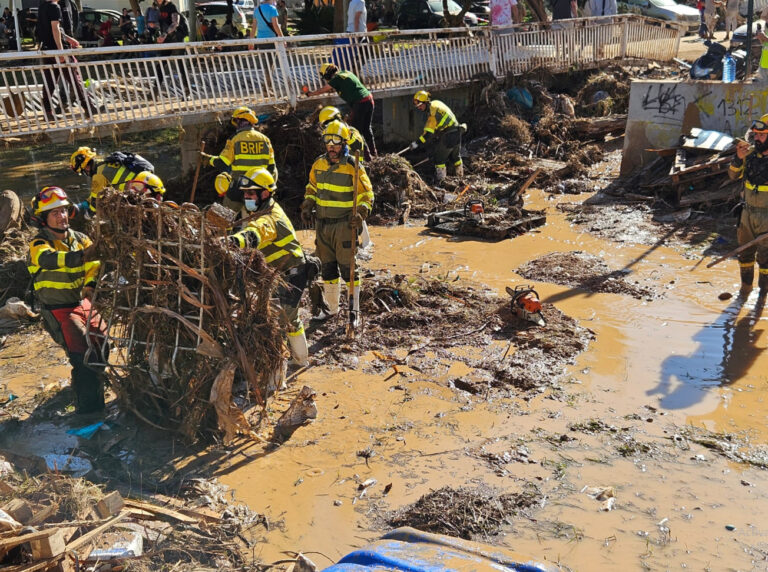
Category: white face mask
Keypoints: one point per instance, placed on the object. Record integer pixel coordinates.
(250, 205)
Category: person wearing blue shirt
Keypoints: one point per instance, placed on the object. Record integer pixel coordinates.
(265, 16)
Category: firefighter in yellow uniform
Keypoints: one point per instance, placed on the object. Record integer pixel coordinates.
(64, 275)
(108, 173)
(751, 164)
(328, 200)
(444, 131)
(356, 140)
(247, 149)
(273, 234)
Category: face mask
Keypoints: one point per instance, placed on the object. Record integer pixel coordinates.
(250, 205)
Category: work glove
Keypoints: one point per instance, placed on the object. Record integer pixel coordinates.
(414, 145)
(307, 212)
(89, 253)
(356, 221)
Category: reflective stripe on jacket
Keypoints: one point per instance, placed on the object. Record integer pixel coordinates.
(273, 234)
(754, 170)
(248, 148)
(112, 175)
(440, 118)
(356, 142)
(331, 187)
(58, 268)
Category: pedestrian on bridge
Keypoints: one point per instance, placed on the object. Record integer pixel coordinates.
(751, 165)
(329, 201)
(356, 95)
(64, 273)
(247, 149)
(51, 33)
(443, 131)
(267, 228)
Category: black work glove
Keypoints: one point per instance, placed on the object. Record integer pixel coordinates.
(307, 212)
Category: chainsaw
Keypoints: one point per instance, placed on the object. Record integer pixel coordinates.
(474, 210)
(526, 304)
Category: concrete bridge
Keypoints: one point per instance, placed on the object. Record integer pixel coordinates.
(137, 88)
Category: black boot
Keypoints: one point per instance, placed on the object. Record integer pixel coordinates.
(762, 283)
(87, 385)
(747, 277)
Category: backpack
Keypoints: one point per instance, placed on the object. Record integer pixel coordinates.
(131, 161)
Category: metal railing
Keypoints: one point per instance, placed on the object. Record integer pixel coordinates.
(147, 83)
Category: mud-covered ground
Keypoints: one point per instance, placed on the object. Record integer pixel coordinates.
(626, 433)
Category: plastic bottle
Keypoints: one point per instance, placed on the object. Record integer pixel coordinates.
(729, 69)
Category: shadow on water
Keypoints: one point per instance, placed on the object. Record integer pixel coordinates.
(727, 350)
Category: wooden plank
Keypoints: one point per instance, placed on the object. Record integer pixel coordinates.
(109, 505)
(50, 546)
(161, 511)
(706, 196)
(87, 537)
(7, 543)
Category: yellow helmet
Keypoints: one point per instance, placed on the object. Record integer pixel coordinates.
(146, 182)
(336, 133)
(328, 70)
(258, 178)
(244, 113)
(49, 198)
(222, 183)
(761, 125)
(421, 97)
(80, 159)
(328, 114)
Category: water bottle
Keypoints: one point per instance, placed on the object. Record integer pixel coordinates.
(729, 69)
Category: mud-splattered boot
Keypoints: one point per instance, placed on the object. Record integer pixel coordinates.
(762, 281)
(747, 276)
(460, 170)
(440, 174)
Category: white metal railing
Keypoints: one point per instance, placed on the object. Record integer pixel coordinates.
(147, 83)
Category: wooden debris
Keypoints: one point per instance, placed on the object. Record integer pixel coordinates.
(301, 410)
(49, 546)
(19, 509)
(109, 505)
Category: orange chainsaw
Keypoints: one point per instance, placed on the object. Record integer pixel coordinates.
(526, 304)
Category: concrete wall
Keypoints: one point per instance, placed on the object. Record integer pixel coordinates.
(661, 111)
(403, 123)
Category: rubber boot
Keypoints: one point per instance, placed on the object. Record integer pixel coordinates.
(299, 350)
(747, 276)
(440, 173)
(460, 170)
(276, 380)
(762, 282)
(331, 293)
(356, 307)
(87, 385)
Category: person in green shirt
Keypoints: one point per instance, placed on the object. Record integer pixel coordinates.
(355, 94)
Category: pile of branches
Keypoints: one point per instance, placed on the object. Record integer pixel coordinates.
(398, 188)
(187, 314)
(14, 276)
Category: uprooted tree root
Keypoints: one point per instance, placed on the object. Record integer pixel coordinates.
(185, 313)
(467, 513)
(582, 270)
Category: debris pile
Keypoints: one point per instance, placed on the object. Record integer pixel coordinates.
(582, 270)
(467, 513)
(400, 191)
(692, 175)
(46, 520)
(185, 313)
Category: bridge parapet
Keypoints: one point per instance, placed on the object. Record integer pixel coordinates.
(134, 88)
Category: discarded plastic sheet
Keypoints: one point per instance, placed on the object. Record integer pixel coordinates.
(86, 432)
(74, 466)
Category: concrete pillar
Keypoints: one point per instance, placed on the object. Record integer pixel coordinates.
(402, 122)
(189, 143)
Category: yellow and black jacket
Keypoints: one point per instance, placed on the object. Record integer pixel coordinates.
(331, 187)
(58, 270)
(273, 234)
(356, 142)
(440, 119)
(248, 149)
(112, 175)
(754, 170)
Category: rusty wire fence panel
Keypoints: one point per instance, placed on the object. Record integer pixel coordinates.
(148, 293)
(147, 84)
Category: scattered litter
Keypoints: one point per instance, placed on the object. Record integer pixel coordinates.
(88, 431)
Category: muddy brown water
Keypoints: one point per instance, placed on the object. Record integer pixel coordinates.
(655, 366)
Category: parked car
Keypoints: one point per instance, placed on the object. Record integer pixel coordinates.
(420, 14)
(94, 19)
(483, 8)
(686, 16)
(218, 11)
(247, 6)
(740, 33)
